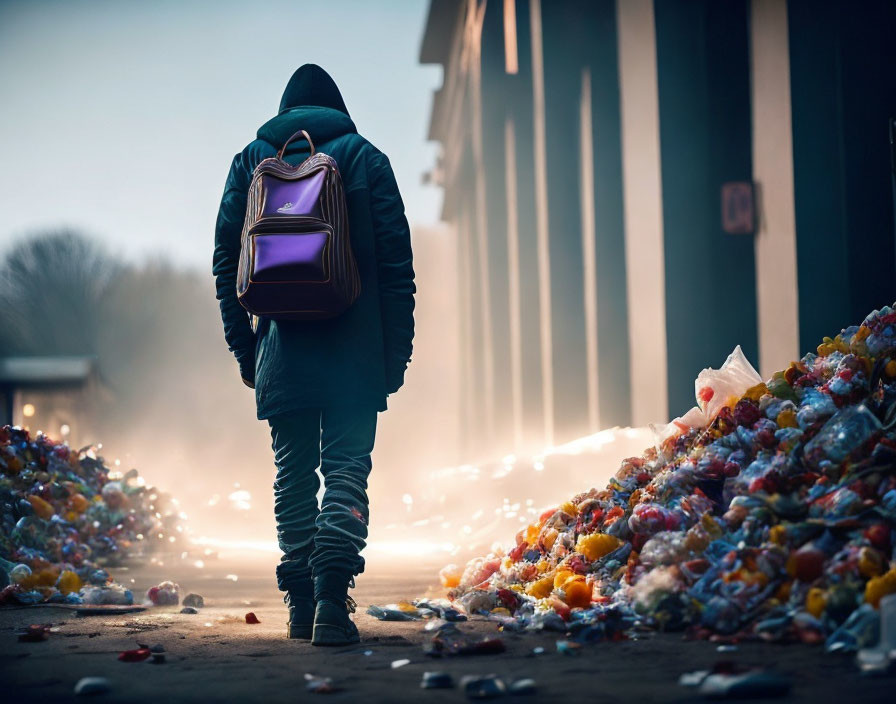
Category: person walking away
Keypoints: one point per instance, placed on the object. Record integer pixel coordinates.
(320, 383)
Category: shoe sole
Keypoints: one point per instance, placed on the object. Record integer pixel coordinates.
(300, 632)
(332, 635)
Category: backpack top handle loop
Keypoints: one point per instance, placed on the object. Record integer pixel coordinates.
(301, 133)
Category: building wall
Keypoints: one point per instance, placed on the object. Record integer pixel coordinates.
(519, 101)
(702, 50)
(776, 274)
(643, 210)
(599, 280)
(841, 58)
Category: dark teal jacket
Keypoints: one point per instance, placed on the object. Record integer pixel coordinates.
(361, 356)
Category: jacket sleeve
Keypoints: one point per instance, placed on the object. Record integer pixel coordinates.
(228, 230)
(395, 270)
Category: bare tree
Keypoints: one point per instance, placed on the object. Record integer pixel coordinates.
(53, 289)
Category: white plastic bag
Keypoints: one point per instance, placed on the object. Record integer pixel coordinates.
(715, 389)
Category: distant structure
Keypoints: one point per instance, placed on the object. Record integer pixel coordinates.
(53, 394)
(637, 186)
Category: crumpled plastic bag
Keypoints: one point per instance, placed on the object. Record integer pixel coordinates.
(715, 389)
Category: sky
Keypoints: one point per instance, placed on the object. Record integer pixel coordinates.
(120, 118)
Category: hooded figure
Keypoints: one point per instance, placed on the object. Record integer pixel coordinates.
(320, 384)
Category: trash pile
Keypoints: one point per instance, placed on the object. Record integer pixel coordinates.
(65, 517)
(767, 511)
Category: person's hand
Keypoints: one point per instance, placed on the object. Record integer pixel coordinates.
(247, 373)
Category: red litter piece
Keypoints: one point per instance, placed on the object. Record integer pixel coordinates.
(252, 618)
(138, 655)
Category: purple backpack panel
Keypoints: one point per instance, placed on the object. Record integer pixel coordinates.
(296, 261)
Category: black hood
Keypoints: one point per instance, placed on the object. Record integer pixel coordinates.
(311, 85)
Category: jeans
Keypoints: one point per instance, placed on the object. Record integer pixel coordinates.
(328, 538)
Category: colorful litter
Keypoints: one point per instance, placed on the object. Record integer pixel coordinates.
(65, 516)
(35, 633)
(164, 594)
(765, 512)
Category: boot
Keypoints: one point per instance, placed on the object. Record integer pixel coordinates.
(300, 600)
(332, 625)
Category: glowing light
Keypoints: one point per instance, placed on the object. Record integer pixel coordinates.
(65, 429)
(255, 545)
(232, 577)
(199, 563)
(410, 547)
(407, 499)
(28, 410)
(240, 499)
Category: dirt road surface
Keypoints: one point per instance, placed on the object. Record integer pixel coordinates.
(215, 656)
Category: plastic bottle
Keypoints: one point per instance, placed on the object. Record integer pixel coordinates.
(846, 431)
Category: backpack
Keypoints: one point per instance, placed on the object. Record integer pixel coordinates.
(296, 260)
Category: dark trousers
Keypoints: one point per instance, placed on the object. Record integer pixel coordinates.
(316, 539)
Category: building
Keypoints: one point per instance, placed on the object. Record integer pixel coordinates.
(637, 186)
(54, 394)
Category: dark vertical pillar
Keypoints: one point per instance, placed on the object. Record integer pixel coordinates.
(9, 393)
(564, 34)
(494, 112)
(843, 94)
(612, 308)
(703, 73)
(519, 104)
(476, 369)
(465, 331)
